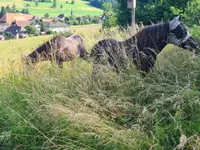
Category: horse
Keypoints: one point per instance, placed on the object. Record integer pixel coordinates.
(60, 49)
(143, 47)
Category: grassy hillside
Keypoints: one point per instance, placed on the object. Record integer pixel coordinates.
(48, 108)
(80, 7)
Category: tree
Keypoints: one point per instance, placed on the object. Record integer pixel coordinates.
(42, 26)
(148, 11)
(36, 3)
(27, 5)
(71, 13)
(192, 13)
(110, 17)
(3, 11)
(25, 11)
(14, 8)
(41, 23)
(31, 29)
(8, 9)
(54, 4)
(46, 15)
(123, 14)
(73, 1)
(8, 35)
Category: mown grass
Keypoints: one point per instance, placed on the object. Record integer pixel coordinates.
(49, 108)
(80, 8)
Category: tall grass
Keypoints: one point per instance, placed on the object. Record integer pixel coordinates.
(49, 108)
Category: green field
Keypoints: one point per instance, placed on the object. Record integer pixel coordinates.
(51, 109)
(80, 8)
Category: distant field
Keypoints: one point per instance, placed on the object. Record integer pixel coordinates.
(80, 7)
(86, 28)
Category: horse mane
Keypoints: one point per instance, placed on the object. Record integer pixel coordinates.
(154, 37)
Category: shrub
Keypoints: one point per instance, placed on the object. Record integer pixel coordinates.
(31, 29)
(75, 22)
(87, 21)
(8, 35)
(195, 31)
(50, 32)
(82, 22)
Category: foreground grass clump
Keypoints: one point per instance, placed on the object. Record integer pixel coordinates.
(48, 108)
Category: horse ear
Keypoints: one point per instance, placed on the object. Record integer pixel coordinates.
(174, 23)
(179, 18)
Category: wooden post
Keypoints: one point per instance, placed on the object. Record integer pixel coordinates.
(132, 5)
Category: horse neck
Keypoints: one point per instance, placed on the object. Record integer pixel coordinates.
(154, 37)
(36, 54)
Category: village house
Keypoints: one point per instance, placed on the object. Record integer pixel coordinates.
(2, 37)
(15, 23)
(17, 31)
(58, 27)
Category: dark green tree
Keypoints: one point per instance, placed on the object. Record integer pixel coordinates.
(73, 1)
(123, 13)
(25, 11)
(8, 9)
(110, 16)
(14, 8)
(71, 13)
(3, 11)
(54, 3)
(8, 35)
(36, 3)
(31, 29)
(46, 15)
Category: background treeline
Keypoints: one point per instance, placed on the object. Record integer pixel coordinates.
(152, 11)
(99, 3)
(12, 9)
(84, 20)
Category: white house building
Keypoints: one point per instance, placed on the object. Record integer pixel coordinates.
(57, 27)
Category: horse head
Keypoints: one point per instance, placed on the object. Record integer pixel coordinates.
(180, 36)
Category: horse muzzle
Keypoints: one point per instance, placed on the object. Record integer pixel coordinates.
(192, 45)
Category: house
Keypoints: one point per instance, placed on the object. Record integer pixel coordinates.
(2, 38)
(57, 27)
(17, 31)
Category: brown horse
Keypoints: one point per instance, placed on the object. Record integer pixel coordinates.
(143, 48)
(59, 49)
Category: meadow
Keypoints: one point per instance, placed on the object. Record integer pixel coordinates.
(49, 108)
(80, 8)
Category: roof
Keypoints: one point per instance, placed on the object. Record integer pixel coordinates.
(22, 23)
(3, 27)
(10, 17)
(47, 20)
(15, 29)
(61, 15)
(56, 24)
